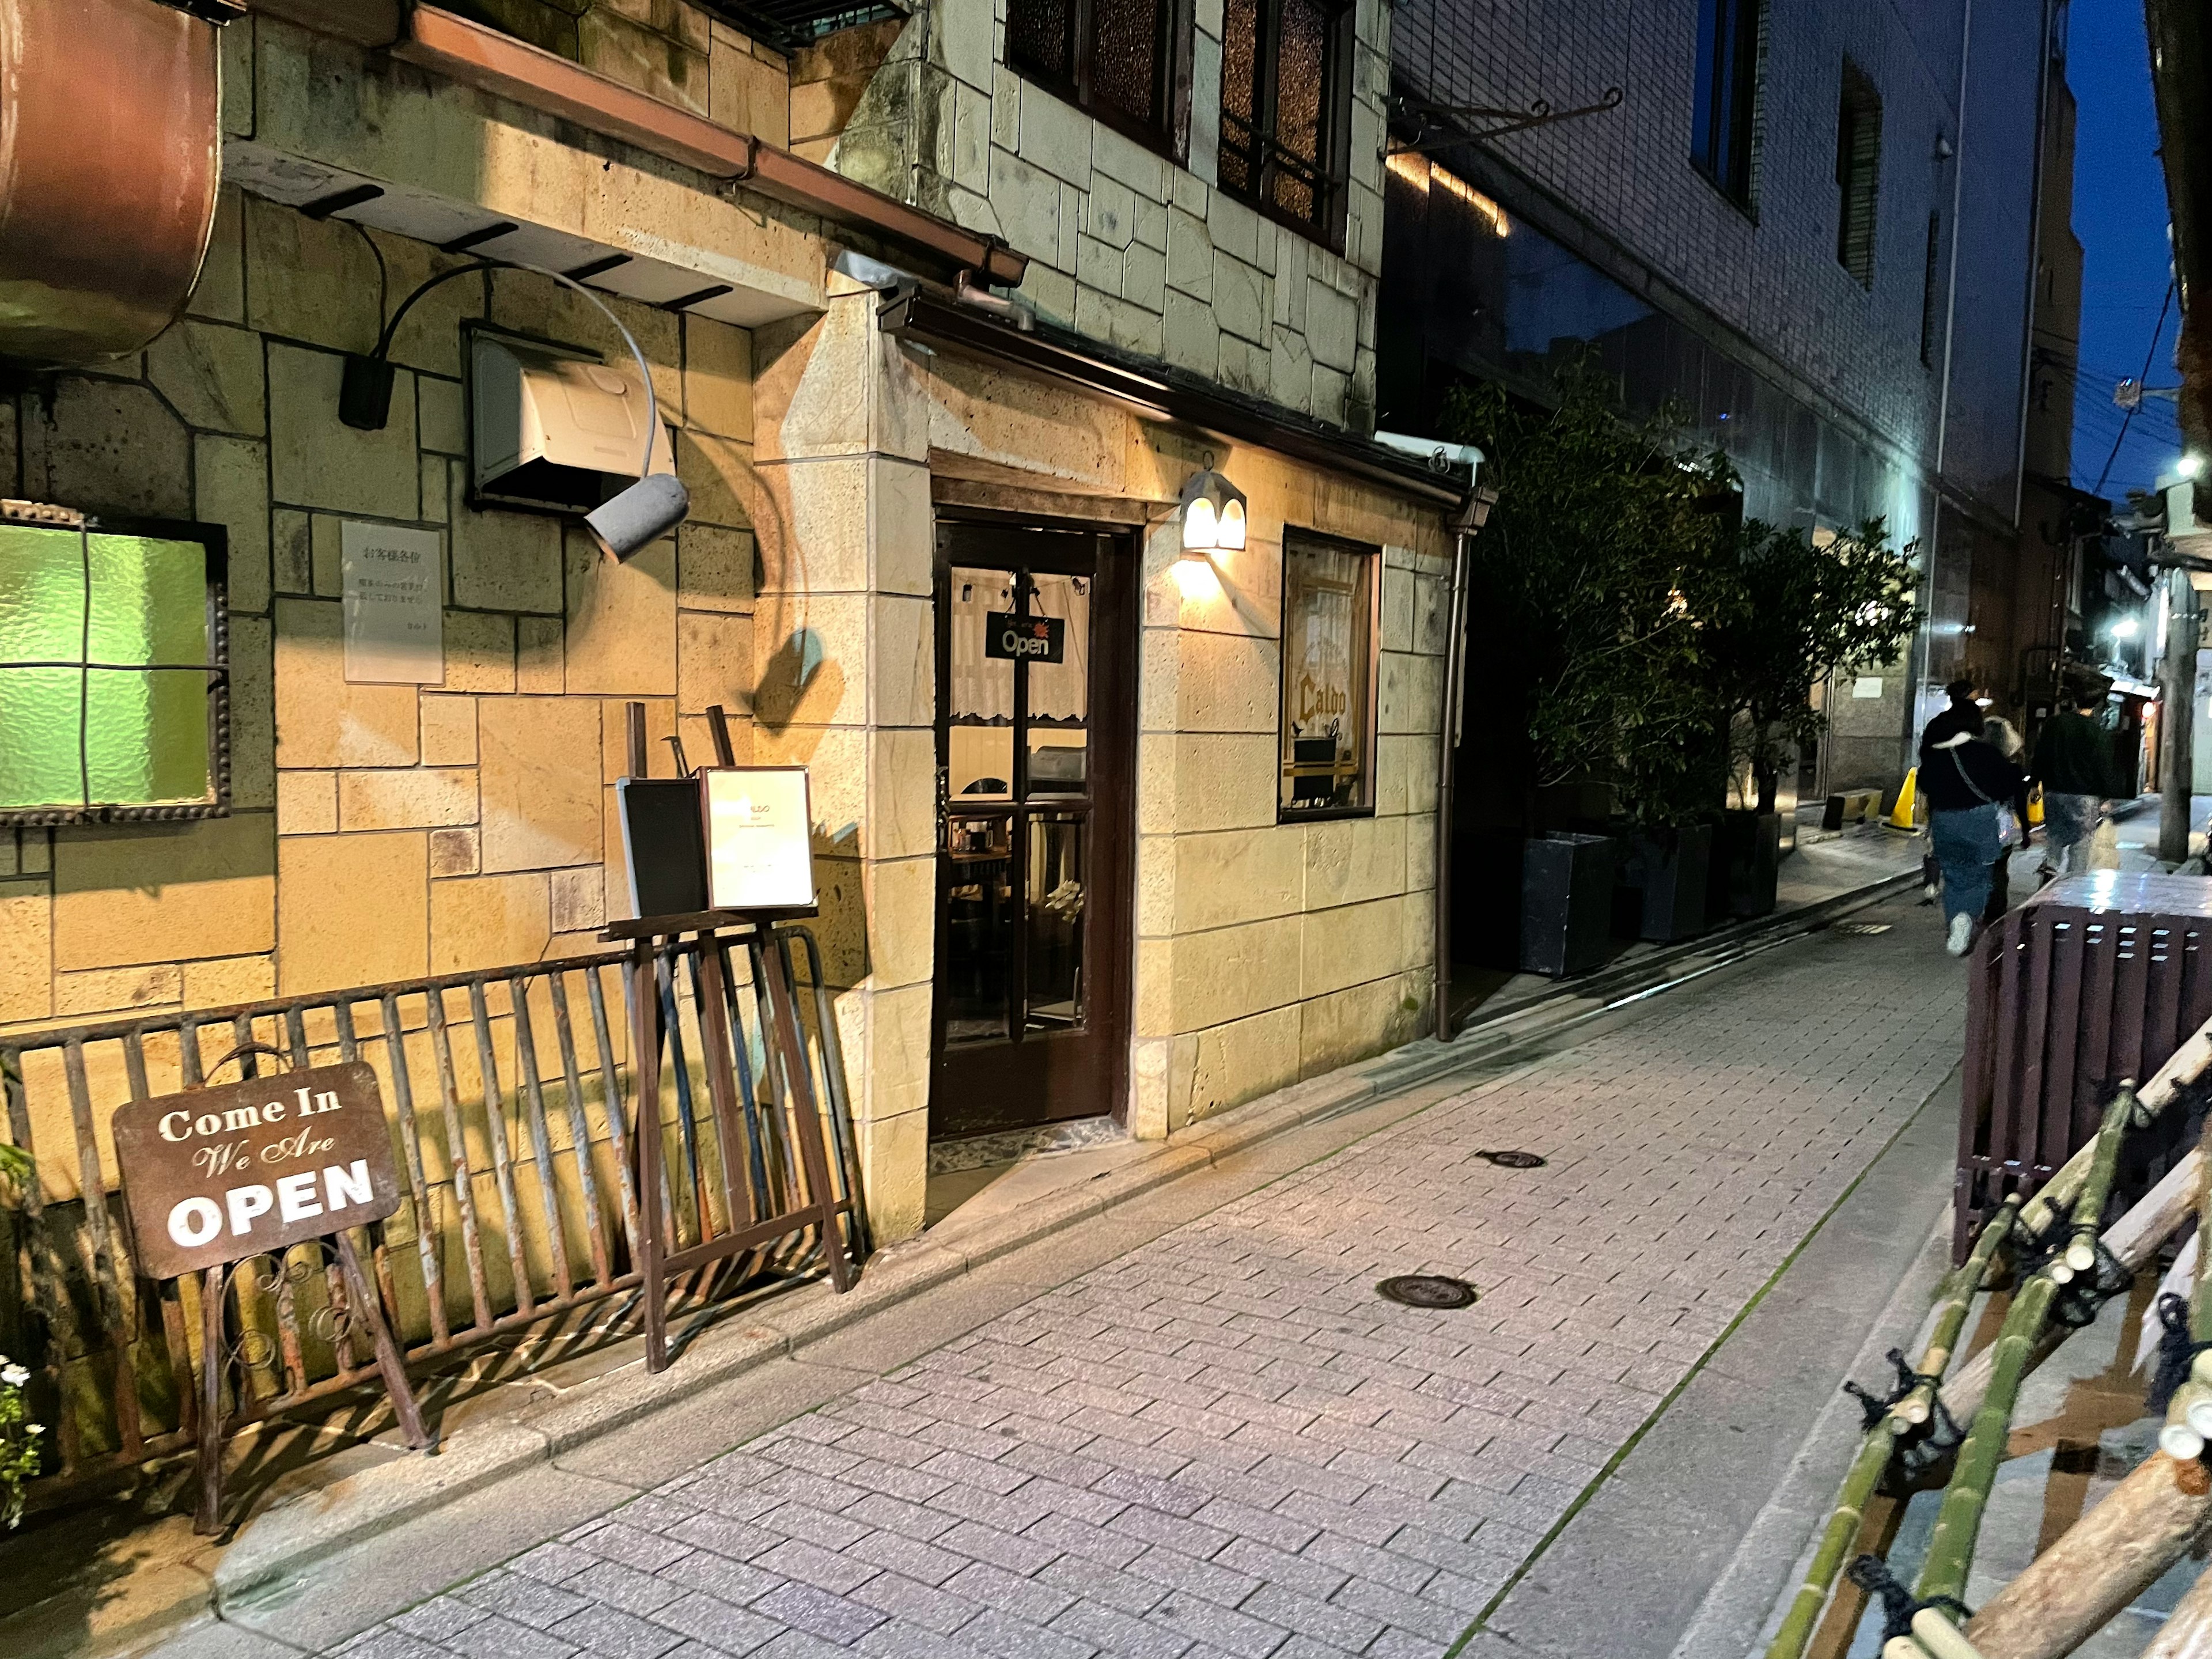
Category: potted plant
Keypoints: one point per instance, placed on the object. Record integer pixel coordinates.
(1592, 571)
(1787, 608)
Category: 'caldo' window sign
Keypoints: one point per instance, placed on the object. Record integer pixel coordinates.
(214, 1175)
(760, 847)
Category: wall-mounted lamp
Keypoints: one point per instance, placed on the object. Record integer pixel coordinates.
(623, 526)
(2190, 466)
(1212, 515)
(2125, 628)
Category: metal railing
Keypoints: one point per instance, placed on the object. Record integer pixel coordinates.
(509, 1094)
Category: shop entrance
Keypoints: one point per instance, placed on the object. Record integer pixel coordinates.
(1035, 745)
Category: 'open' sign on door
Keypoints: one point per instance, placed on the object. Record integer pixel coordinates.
(213, 1175)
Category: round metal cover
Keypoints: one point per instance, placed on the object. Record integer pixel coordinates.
(1427, 1291)
(1515, 1160)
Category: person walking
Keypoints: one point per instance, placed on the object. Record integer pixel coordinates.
(2074, 763)
(2003, 736)
(1965, 780)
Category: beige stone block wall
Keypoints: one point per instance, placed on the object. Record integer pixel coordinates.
(379, 832)
(1265, 952)
(1125, 245)
(842, 635)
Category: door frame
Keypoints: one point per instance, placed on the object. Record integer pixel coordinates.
(994, 538)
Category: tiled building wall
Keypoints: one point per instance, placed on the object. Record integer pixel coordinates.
(1127, 247)
(1771, 271)
(376, 831)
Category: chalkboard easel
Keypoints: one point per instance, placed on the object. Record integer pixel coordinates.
(781, 1029)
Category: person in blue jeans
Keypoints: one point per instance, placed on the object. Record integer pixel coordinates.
(1965, 780)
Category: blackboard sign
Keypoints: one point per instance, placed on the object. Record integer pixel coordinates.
(1031, 639)
(664, 844)
(214, 1175)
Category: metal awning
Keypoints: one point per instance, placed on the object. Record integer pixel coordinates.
(1161, 390)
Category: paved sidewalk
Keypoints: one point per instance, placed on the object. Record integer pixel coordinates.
(1224, 1442)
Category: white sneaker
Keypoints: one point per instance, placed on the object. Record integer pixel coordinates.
(1961, 936)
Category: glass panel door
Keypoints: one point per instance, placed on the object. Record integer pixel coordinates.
(1033, 804)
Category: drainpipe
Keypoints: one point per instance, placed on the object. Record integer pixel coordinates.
(1471, 518)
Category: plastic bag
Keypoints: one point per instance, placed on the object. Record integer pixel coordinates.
(2105, 846)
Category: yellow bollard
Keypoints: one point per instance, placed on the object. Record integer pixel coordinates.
(2035, 806)
(1900, 815)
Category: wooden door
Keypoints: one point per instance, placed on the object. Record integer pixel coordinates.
(1036, 763)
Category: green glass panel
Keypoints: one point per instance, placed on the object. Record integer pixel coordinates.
(41, 594)
(148, 600)
(146, 736)
(38, 738)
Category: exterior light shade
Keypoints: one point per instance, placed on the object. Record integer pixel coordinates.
(1213, 514)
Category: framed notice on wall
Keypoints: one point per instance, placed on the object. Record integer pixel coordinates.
(392, 583)
(760, 845)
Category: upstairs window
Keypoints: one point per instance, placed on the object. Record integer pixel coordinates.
(1927, 293)
(1285, 99)
(1125, 61)
(1858, 173)
(1728, 94)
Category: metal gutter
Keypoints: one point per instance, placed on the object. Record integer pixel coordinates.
(1157, 390)
(477, 55)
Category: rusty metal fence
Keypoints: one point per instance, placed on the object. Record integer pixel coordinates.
(509, 1093)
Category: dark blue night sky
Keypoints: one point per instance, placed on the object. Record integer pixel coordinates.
(2120, 214)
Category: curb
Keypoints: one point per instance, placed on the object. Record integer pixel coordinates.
(301, 1529)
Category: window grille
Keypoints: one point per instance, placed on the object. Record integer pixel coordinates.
(1125, 61)
(1286, 93)
(1731, 48)
(1858, 173)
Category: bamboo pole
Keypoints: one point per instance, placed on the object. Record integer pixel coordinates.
(2131, 1241)
(2184, 1064)
(1880, 1445)
(2188, 1633)
(2102, 1562)
(1959, 1522)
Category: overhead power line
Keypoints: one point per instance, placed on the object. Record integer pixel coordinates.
(2149, 352)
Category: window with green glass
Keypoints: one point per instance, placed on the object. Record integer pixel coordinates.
(112, 677)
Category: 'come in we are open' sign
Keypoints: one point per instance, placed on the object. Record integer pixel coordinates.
(214, 1175)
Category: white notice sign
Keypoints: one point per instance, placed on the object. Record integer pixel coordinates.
(394, 589)
(760, 846)
(1867, 686)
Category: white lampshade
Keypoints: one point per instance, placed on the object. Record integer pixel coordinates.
(1213, 514)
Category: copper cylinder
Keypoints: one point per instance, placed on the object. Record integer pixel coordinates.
(110, 156)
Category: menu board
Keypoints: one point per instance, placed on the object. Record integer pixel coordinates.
(760, 843)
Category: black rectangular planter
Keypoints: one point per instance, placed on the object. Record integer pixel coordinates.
(1566, 903)
(1745, 864)
(1664, 874)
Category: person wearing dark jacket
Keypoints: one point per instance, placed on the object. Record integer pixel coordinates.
(2074, 763)
(1964, 780)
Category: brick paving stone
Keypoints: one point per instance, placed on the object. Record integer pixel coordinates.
(1223, 1445)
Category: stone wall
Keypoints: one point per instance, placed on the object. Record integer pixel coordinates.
(376, 831)
(1125, 245)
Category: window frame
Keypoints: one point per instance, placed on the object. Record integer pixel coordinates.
(1725, 131)
(1333, 169)
(215, 542)
(1172, 139)
(1294, 539)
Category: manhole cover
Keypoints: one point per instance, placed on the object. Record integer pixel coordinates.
(1861, 927)
(1427, 1291)
(1515, 1160)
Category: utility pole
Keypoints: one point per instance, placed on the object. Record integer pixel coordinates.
(2177, 764)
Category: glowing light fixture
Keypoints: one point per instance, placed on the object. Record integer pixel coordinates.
(2125, 628)
(2190, 465)
(1212, 515)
